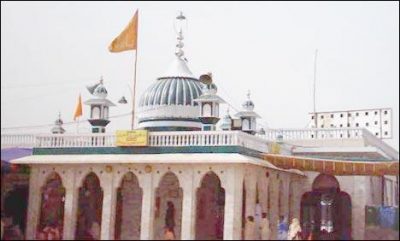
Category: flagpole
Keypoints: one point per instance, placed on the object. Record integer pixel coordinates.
(77, 126)
(134, 78)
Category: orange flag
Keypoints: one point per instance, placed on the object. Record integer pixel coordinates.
(78, 110)
(127, 39)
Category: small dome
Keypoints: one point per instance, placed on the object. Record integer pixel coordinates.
(261, 131)
(58, 129)
(100, 91)
(58, 122)
(248, 105)
(210, 89)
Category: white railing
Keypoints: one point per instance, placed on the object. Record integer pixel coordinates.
(78, 140)
(18, 140)
(198, 138)
(178, 138)
(312, 134)
(194, 138)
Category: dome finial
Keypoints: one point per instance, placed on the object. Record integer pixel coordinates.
(248, 94)
(101, 79)
(179, 22)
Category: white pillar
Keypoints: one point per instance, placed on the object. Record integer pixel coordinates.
(297, 192)
(33, 204)
(109, 205)
(358, 201)
(263, 192)
(285, 199)
(274, 192)
(188, 207)
(233, 186)
(146, 183)
(70, 205)
(250, 186)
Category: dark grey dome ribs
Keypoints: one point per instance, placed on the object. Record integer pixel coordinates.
(171, 91)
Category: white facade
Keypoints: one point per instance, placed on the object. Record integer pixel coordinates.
(377, 121)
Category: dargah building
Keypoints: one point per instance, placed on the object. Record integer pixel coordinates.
(195, 170)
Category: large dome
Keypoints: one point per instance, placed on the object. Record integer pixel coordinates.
(167, 104)
(171, 91)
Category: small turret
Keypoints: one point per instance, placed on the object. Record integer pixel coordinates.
(209, 103)
(99, 107)
(58, 129)
(248, 116)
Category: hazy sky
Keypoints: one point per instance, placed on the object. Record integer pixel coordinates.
(51, 50)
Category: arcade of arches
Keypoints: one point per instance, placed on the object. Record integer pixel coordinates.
(210, 205)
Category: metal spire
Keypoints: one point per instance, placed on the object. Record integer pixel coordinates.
(179, 21)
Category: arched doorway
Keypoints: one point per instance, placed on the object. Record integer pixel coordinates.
(326, 211)
(90, 206)
(210, 209)
(15, 208)
(51, 217)
(129, 209)
(168, 207)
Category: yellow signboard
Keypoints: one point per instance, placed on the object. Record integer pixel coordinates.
(132, 138)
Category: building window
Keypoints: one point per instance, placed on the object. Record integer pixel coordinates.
(341, 125)
(357, 124)
(376, 133)
(348, 124)
(349, 114)
(356, 113)
(376, 112)
(376, 122)
(341, 115)
(385, 122)
(385, 112)
(366, 113)
(322, 116)
(322, 126)
(386, 133)
(341, 135)
(332, 125)
(312, 117)
(367, 124)
(332, 115)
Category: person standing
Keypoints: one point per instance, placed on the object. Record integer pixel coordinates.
(265, 227)
(282, 229)
(170, 215)
(294, 230)
(169, 234)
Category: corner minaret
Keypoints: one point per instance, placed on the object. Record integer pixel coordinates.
(58, 129)
(226, 124)
(248, 116)
(209, 103)
(99, 107)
